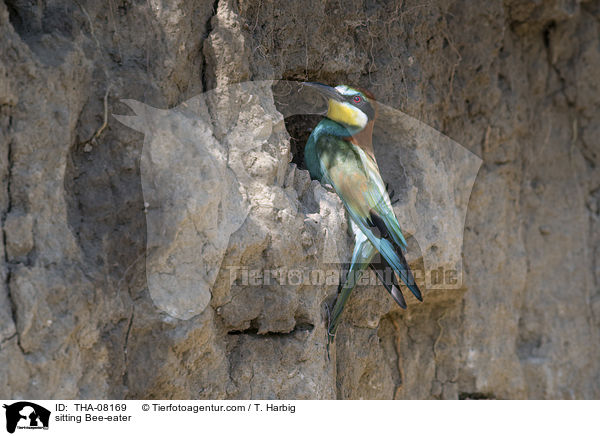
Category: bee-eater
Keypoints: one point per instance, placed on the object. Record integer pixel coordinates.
(339, 152)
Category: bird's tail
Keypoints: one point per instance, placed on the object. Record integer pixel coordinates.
(361, 258)
(354, 275)
(395, 257)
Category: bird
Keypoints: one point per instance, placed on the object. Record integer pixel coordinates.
(339, 152)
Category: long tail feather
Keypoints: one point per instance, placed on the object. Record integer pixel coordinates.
(361, 257)
(352, 278)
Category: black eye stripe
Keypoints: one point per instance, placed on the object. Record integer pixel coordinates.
(363, 105)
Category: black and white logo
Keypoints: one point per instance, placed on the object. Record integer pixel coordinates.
(26, 415)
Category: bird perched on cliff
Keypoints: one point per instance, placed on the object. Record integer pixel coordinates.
(339, 152)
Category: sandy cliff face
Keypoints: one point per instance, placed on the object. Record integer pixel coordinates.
(515, 82)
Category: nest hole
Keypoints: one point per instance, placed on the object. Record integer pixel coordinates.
(300, 127)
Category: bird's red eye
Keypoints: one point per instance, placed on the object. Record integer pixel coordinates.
(357, 99)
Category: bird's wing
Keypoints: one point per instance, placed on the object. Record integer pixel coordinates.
(379, 198)
(361, 189)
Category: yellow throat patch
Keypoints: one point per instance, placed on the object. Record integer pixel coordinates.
(345, 113)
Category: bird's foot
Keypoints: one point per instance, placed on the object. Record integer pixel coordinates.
(391, 194)
(329, 188)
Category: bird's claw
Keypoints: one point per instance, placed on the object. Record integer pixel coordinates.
(391, 194)
(329, 188)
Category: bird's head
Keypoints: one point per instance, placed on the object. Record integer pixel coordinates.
(348, 106)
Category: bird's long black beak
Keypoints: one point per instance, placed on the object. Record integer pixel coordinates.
(327, 91)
